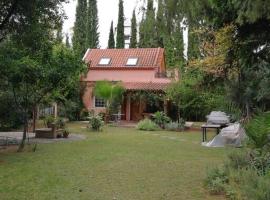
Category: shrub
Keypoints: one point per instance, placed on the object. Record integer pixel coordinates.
(95, 122)
(172, 126)
(147, 125)
(258, 129)
(161, 119)
(175, 126)
(255, 187)
(216, 180)
(238, 160)
(48, 120)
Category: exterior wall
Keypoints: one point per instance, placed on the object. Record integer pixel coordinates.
(88, 99)
(121, 75)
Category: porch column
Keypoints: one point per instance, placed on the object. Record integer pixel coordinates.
(128, 107)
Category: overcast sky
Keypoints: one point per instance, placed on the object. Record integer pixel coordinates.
(107, 11)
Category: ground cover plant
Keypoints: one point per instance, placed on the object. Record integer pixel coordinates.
(116, 163)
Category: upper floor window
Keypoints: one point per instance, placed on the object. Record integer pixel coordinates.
(104, 61)
(132, 61)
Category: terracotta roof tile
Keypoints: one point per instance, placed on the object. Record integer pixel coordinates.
(147, 57)
(146, 86)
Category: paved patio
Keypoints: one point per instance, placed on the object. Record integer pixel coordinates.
(16, 137)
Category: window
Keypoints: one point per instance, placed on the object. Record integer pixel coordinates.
(100, 103)
(132, 61)
(104, 61)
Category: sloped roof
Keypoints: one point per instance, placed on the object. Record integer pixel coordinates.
(146, 86)
(147, 57)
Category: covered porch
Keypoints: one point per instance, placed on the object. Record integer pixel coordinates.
(142, 100)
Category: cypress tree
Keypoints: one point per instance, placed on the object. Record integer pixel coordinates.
(133, 39)
(120, 38)
(67, 41)
(92, 35)
(111, 42)
(148, 35)
(79, 37)
(160, 24)
(59, 33)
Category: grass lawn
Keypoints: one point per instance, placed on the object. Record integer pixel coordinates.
(116, 164)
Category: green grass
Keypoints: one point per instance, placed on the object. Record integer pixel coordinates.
(118, 163)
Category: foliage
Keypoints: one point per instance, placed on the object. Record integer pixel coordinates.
(147, 27)
(80, 35)
(133, 38)
(147, 125)
(216, 180)
(49, 120)
(258, 129)
(120, 37)
(15, 16)
(95, 122)
(161, 119)
(111, 42)
(92, 35)
(176, 126)
(193, 95)
(9, 115)
(111, 92)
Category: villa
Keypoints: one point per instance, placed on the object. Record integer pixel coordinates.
(141, 69)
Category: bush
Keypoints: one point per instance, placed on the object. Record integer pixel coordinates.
(161, 119)
(175, 126)
(258, 129)
(255, 187)
(238, 160)
(48, 120)
(216, 180)
(172, 126)
(95, 122)
(147, 125)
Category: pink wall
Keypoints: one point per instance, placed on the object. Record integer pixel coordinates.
(124, 76)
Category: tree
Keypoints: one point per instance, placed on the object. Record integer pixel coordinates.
(148, 28)
(120, 37)
(111, 42)
(79, 37)
(133, 39)
(59, 33)
(92, 35)
(67, 41)
(111, 93)
(15, 15)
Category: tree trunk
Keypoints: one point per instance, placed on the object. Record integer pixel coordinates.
(25, 129)
(34, 118)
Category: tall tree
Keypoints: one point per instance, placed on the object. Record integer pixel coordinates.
(111, 41)
(79, 37)
(67, 41)
(120, 38)
(148, 27)
(133, 38)
(59, 33)
(92, 34)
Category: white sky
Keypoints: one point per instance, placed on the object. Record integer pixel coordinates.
(107, 11)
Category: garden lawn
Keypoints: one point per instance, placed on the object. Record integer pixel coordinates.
(115, 164)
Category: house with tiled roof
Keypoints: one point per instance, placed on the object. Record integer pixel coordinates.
(141, 69)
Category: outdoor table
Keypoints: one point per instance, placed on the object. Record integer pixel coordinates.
(204, 128)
